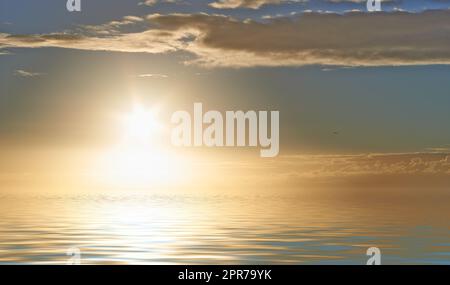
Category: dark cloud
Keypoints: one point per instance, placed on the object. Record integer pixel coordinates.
(352, 39)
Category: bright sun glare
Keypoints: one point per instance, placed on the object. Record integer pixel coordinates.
(141, 125)
(138, 160)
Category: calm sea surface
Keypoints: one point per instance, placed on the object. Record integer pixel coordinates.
(221, 229)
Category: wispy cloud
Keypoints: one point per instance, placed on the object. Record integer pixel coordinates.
(407, 171)
(251, 4)
(360, 1)
(112, 27)
(148, 2)
(362, 170)
(372, 164)
(153, 2)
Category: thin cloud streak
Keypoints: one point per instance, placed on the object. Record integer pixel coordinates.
(24, 73)
(152, 75)
(250, 4)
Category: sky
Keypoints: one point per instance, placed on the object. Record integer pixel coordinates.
(361, 95)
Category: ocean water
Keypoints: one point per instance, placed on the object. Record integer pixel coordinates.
(221, 229)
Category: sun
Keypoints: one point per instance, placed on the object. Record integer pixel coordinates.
(141, 125)
(138, 159)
